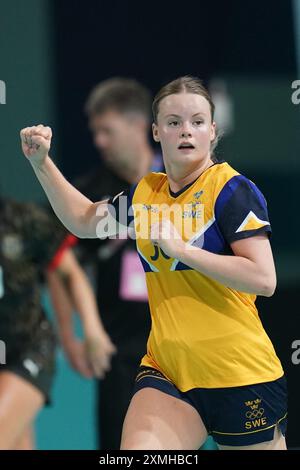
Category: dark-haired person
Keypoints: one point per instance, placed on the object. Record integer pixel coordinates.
(210, 366)
(119, 118)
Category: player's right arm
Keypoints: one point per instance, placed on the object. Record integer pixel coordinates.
(79, 215)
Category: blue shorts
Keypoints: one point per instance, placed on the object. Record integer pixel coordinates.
(233, 416)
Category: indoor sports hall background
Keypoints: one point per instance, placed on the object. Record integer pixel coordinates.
(53, 51)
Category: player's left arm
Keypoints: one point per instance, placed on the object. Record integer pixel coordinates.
(258, 251)
(98, 346)
(250, 270)
(244, 223)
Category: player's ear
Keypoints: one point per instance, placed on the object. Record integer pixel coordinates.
(155, 132)
(213, 131)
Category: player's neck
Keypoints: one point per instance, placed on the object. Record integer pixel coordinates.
(181, 177)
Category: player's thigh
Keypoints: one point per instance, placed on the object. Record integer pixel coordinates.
(19, 403)
(277, 443)
(157, 420)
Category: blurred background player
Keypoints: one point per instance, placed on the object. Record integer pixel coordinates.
(71, 292)
(33, 244)
(119, 117)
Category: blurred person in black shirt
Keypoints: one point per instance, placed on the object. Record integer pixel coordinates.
(119, 115)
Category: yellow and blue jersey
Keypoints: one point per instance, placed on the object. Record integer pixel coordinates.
(203, 333)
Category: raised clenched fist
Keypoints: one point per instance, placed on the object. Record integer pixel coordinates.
(36, 142)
